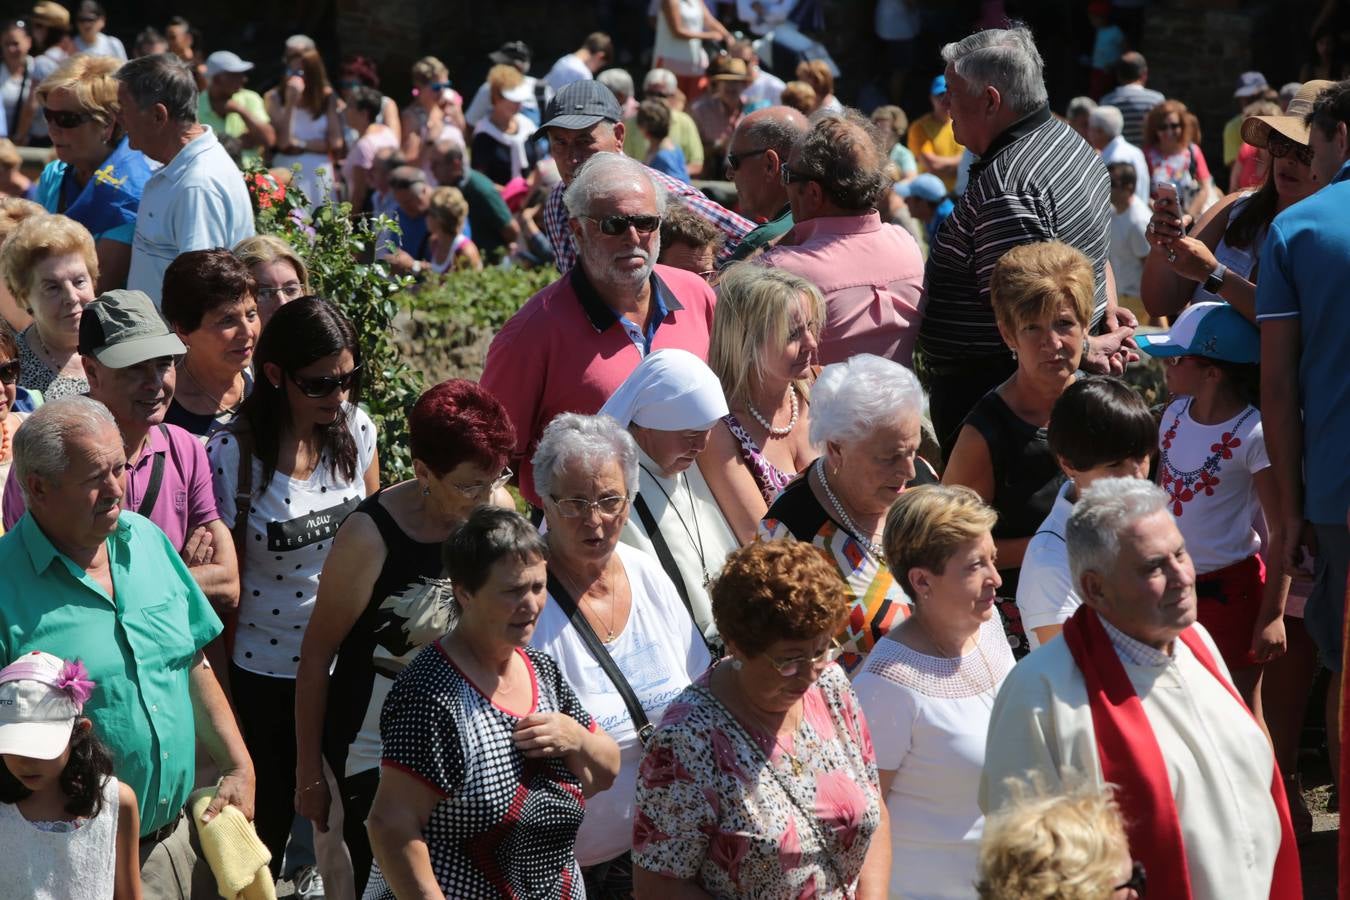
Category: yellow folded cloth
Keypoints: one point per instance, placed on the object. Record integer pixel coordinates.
(238, 858)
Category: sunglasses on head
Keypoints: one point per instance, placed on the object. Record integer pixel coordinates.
(1281, 146)
(64, 118)
(615, 225)
(316, 386)
(9, 372)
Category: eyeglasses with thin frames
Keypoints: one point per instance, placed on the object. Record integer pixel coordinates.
(790, 667)
(485, 488)
(575, 507)
(291, 290)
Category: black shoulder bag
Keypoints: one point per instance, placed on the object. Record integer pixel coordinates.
(147, 503)
(597, 649)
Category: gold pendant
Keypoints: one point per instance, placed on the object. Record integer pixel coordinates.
(797, 768)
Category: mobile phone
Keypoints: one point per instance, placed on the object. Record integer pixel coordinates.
(1166, 190)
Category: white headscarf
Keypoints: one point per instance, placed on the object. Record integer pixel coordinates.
(670, 390)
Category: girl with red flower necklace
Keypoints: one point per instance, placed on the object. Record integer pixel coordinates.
(1214, 467)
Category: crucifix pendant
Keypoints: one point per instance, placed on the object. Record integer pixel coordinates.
(797, 768)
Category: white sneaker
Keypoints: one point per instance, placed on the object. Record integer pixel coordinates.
(308, 884)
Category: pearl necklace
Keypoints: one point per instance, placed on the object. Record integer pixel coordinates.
(870, 547)
(768, 425)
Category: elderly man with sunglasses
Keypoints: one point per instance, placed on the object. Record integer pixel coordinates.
(870, 272)
(573, 343)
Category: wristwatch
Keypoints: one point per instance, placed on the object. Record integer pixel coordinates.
(1214, 283)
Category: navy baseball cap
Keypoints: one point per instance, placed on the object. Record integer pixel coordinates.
(580, 105)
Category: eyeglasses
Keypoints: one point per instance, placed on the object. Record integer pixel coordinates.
(439, 86)
(1171, 126)
(576, 507)
(64, 118)
(1121, 185)
(350, 85)
(9, 372)
(1138, 880)
(404, 184)
(288, 291)
(790, 176)
(485, 488)
(734, 160)
(316, 386)
(615, 225)
(1281, 146)
(790, 667)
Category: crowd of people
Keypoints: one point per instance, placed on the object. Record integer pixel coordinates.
(801, 539)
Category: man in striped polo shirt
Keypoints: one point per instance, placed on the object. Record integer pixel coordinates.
(1035, 180)
(1133, 98)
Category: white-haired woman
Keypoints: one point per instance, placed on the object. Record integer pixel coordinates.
(765, 333)
(867, 425)
(669, 405)
(612, 606)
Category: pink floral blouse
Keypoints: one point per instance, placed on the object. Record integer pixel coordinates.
(707, 809)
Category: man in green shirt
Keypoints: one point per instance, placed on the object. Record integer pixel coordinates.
(490, 221)
(83, 579)
(758, 152)
(660, 85)
(232, 111)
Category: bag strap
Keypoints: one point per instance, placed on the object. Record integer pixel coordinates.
(663, 554)
(243, 497)
(156, 478)
(597, 649)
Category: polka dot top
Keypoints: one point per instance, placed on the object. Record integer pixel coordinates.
(505, 826)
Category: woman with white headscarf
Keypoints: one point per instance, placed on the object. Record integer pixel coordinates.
(669, 404)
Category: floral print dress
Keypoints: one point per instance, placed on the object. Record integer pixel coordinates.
(710, 811)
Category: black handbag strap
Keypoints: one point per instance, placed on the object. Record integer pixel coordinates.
(593, 643)
(156, 478)
(663, 554)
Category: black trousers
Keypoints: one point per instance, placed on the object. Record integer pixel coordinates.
(266, 708)
(358, 793)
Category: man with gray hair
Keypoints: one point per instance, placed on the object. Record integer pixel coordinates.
(1134, 694)
(198, 200)
(1035, 180)
(83, 578)
(660, 84)
(1104, 127)
(572, 344)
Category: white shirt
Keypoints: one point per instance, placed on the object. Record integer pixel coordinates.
(683, 56)
(1214, 513)
(481, 104)
(928, 717)
(1045, 594)
(660, 652)
(765, 87)
(290, 530)
(196, 202)
(103, 45)
(775, 13)
(566, 70)
(1121, 150)
(1129, 246)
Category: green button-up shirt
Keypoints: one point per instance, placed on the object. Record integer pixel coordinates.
(138, 647)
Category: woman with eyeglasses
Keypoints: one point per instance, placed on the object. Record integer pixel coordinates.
(309, 459)
(1172, 149)
(9, 392)
(279, 272)
(761, 780)
(1216, 258)
(96, 178)
(209, 301)
(380, 599)
(436, 113)
(608, 603)
(928, 688)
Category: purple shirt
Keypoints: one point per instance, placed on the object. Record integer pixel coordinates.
(871, 275)
(185, 497)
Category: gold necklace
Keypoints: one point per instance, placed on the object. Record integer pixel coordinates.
(796, 764)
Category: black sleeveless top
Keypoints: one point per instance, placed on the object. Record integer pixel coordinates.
(379, 639)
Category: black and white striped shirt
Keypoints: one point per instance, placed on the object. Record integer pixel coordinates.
(1038, 181)
(1135, 102)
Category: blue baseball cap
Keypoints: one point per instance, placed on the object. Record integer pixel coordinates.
(939, 86)
(926, 187)
(1212, 330)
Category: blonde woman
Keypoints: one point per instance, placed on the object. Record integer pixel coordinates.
(280, 273)
(12, 212)
(765, 333)
(450, 249)
(435, 114)
(1068, 846)
(503, 146)
(50, 266)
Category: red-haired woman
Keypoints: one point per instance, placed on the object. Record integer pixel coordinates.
(377, 606)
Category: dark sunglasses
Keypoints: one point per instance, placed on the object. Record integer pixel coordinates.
(9, 372)
(1138, 880)
(1281, 146)
(1171, 126)
(734, 160)
(439, 86)
(318, 386)
(63, 118)
(615, 225)
(789, 176)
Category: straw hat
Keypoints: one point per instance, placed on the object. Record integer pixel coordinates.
(1293, 125)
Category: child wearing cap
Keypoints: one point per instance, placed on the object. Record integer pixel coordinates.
(69, 829)
(1213, 465)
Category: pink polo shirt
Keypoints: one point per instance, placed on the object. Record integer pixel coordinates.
(566, 351)
(871, 275)
(185, 497)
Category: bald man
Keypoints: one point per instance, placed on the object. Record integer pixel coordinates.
(758, 150)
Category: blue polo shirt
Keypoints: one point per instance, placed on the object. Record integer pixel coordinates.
(1305, 267)
(138, 647)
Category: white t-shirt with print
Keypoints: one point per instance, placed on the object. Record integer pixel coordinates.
(290, 529)
(1213, 492)
(660, 652)
(1045, 594)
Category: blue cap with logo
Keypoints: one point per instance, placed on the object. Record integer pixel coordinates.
(1212, 330)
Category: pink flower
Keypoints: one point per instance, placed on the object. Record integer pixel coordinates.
(661, 767)
(75, 682)
(841, 805)
(727, 850)
(790, 847)
(724, 754)
(646, 833)
(676, 713)
(816, 711)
